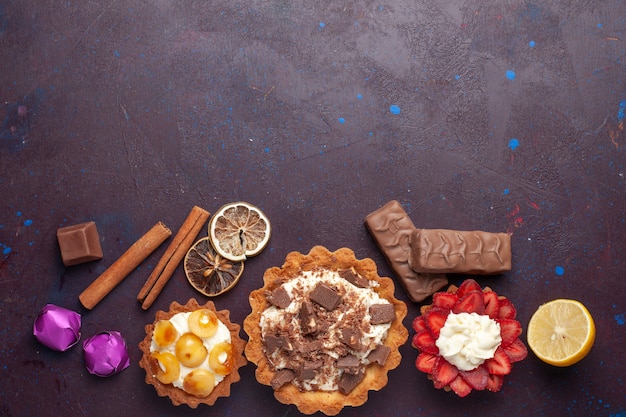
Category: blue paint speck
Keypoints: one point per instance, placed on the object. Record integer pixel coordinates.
(559, 270)
(359, 96)
(506, 191)
(457, 77)
(510, 74)
(620, 319)
(6, 250)
(117, 54)
(621, 112)
(531, 44)
(599, 25)
(28, 222)
(341, 120)
(513, 144)
(394, 109)
(266, 150)
(18, 214)
(322, 24)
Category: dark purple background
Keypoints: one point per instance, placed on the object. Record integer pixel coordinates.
(476, 114)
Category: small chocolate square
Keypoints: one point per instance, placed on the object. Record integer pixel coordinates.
(282, 377)
(280, 297)
(325, 296)
(354, 278)
(308, 318)
(79, 243)
(309, 370)
(351, 337)
(348, 381)
(272, 343)
(349, 363)
(382, 313)
(379, 355)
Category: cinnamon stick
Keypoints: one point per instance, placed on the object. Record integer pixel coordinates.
(176, 251)
(124, 265)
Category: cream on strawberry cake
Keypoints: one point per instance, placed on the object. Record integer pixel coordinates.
(468, 339)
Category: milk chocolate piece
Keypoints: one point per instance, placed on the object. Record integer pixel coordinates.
(354, 278)
(79, 243)
(453, 251)
(349, 363)
(309, 369)
(379, 355)
(351, 337)
(325, 296)
(348, 381)
(280, 297)
(382, 313)
(308, 318)
(272, 343)
(390, 227)
(282, 377)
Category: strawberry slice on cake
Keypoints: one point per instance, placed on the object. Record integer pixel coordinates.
(468, 339)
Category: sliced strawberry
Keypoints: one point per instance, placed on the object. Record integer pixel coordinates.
(516, 351)
(460, 387)
(426, 362)
(472, 302)
(499, 364)
(494, 382)
(476, 378)
(425, 342)
(509, 330)
(435, 319)
(507, 310)
(467, 286)
(419, 323)
(445, 300)
(492, 305)
(444, 373)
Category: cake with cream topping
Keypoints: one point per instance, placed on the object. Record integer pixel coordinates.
(468, 339)
(324, 330)
(192, 353)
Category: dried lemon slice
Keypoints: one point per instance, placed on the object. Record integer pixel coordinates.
(239, 230)
(209, 272)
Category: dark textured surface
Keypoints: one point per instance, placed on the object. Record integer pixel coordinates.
(474, 114)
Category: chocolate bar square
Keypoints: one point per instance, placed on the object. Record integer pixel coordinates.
(79, 243)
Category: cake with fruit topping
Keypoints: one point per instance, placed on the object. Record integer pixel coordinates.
(192, 353)
(468, 339)
(324, 330)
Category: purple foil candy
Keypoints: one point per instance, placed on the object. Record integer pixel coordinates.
(106, 354)
(57, 328)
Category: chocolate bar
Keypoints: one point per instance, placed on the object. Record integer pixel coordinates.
(390, 227)
(79, 243)
(453, 251)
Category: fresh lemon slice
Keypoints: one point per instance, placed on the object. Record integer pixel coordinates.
(239, 230)
(561, 332)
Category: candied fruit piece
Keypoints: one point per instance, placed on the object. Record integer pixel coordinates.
(203, 322)
(164, 366)
(199, 382)
(164, 333)
(190, 350)
(222, 359)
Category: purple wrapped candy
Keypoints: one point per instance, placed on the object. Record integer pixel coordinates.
(57, 328)
(105, 353)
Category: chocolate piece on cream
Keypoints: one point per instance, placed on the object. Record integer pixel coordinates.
(390, 227)
(280, 297)
(273, 343)
(379, 355)
(79, 243)
(348, 381)
(382, 313)
(309, 369)
(307, 318)
(354, 278)
(351, 337)
(325, 296)
(454, 251)
(282, 377)
(349, 363)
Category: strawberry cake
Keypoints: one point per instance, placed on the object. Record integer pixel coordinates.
(468, 339)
